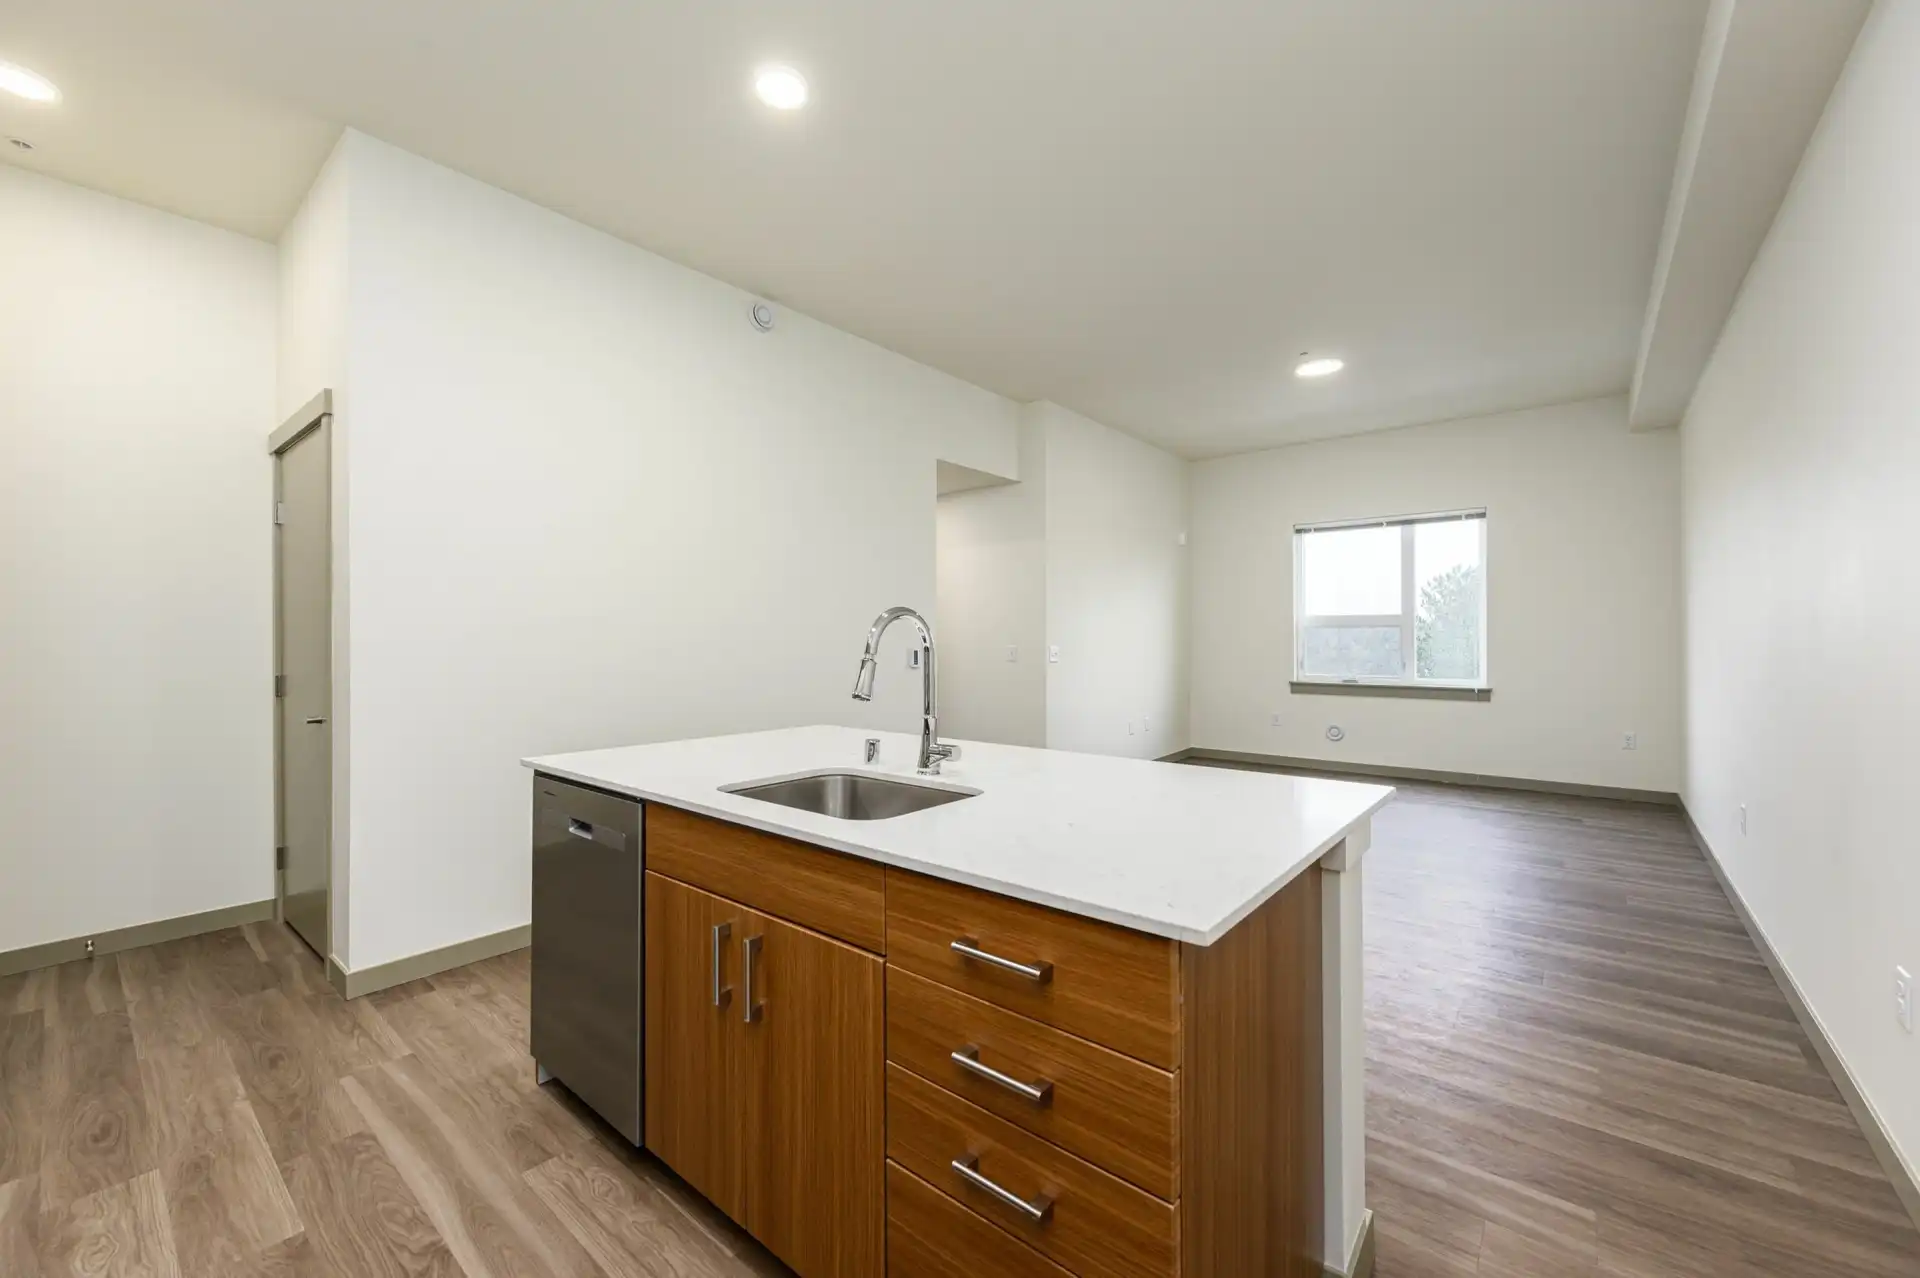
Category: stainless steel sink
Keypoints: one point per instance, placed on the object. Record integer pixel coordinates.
(850, 796)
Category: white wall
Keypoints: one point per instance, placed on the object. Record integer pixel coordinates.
(313, 329)
(1083, 554)
(991, 586)
(1802, 475)
(136, 392)
(1583, 596)
(591, 504)
(1116, 511)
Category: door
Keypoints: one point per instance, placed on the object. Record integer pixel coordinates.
(812, 1099)
(692, 1005)
(303, 605)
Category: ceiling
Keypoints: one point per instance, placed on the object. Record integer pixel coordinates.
(1143, 211)
(1767, 68)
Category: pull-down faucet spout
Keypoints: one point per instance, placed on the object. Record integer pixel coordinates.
(931, 751)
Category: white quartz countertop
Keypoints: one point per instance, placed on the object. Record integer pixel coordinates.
(1179, 851)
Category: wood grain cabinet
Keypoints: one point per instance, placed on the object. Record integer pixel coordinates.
(764, 1074)
(876, 1072)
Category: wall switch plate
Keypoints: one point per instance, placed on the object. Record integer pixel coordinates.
(1630, 741)
(1903, 998)
(1013, 652)
(1146, 723)
(1276, 719)
(1129, 727)
(1743, 818)
(1053, 653)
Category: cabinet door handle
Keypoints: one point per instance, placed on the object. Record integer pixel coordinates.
(967, 947)
(749, 951)
(721, 931)
(1039, 1091)
(1039, 1211)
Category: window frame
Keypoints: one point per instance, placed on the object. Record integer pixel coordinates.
(1405, 621)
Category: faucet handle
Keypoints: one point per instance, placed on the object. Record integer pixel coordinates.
(873, 749)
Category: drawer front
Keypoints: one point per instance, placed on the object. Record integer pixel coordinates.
(1069, 1210)
(931, 1236)
(842, 896)
(1109, 1109)
(1105, 983)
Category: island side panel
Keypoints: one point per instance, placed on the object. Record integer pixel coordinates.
(1251, 1094)
(1345, 1042)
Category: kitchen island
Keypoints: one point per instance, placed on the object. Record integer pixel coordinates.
(1083, 1015)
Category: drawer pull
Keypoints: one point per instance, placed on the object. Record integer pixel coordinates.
(1039, 1091)
(1039, 1211)
(967, 947)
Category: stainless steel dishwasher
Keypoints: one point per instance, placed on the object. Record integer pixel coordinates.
(587, 1016)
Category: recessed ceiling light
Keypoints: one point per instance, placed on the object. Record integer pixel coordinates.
(1323, 367)
(26, 84)
(781, 88)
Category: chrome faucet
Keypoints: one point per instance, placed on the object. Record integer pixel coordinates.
(932, 753)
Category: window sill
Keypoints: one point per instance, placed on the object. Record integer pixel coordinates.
(1417, 691)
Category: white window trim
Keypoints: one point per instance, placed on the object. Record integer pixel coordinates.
(1403, 621)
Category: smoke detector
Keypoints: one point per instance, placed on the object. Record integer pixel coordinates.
(763, 317)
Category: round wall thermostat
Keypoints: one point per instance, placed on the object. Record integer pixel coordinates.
(1336, 733)
(762, 316)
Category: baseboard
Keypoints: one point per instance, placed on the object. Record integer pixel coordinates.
(30, 957)
(1360, 1263)
(1902, 1177)
(1394, 773)
(367, 980)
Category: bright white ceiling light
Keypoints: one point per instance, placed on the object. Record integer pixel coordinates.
(23, 83)
(781, 88)
(1318, 367)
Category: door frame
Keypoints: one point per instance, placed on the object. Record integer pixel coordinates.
(311, 416)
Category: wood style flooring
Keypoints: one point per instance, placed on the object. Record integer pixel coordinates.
(1577, 1066)
(210, 1108)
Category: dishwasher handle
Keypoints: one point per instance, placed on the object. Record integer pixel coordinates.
(601, 834)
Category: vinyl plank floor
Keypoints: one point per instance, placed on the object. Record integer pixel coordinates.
(1578, 1065)
(360, 1216)
(121, 1231)
(212, 1108)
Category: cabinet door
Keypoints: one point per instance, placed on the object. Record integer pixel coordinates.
(813, 1100)
(693, 1037)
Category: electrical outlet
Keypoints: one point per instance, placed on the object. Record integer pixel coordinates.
(1146, 723)
(1743, 818)
(1053, 654)
(1013, 652)
(1903, 998)
(1630, 741)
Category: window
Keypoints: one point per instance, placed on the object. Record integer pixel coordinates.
(1392, 601)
